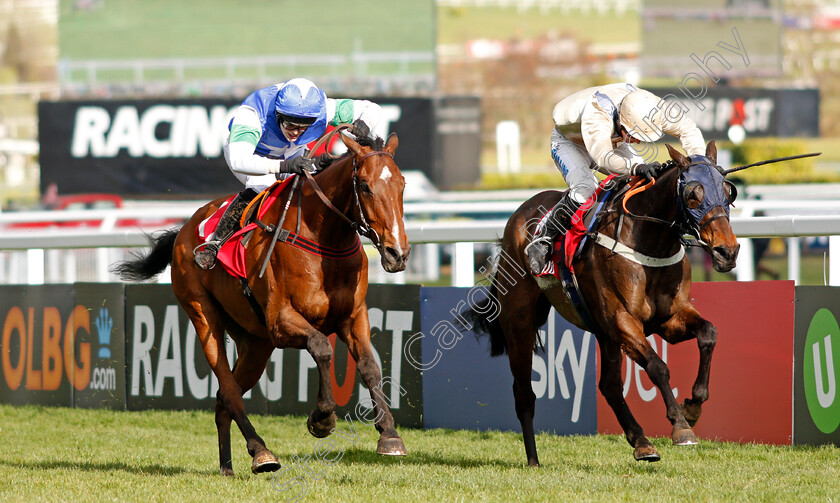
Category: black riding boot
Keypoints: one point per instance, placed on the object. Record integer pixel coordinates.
(227, 226)
(558, 221)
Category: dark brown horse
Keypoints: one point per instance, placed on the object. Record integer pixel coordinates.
(302, 297)
(637, 287)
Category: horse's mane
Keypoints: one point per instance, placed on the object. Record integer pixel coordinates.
(326, 160)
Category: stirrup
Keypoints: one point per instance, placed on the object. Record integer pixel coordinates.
(538, 252)
(206, 258)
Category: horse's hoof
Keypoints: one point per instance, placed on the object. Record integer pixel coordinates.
(264, 462)
(322, 428)
(227, 472)
(691, 410)
(390, 446)
(684, 436)
(646, 453)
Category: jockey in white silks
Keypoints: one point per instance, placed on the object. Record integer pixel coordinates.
(267, 139)
(593, 130)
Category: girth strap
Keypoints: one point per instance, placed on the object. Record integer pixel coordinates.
(639, 258)
(249, 294)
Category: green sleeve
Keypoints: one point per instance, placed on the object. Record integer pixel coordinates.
(244, 133)
(343, 112)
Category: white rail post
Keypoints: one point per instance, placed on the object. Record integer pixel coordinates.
(431, 258)
(463, 265)
(745, 270)
(794, 260)
(35, 266)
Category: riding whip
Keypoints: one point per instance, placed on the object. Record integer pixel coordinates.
(277, 229)
(770, 161)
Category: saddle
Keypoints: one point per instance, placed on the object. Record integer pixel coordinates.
(568, 246)
(232, 253)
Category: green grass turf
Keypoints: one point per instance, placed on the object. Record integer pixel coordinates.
(61, 454)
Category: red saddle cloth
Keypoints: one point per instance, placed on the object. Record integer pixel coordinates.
(232, 253)
(565, 250)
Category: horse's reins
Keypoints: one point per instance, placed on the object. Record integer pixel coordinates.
(686, 228)
(363, 229)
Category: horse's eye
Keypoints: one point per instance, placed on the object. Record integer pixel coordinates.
(365, 188)
(693, 194)
(730, 191)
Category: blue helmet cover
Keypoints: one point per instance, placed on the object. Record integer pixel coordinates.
(300, 98)
(701, 169)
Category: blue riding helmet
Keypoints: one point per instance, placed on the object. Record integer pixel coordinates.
(299, 101)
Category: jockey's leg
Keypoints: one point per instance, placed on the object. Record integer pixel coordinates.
(576, 166)
(227, 226)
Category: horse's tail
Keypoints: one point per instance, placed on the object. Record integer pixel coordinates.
(146, 267)
(484, 319)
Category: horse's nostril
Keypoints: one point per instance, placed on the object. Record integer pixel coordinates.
(724, 252)
(392, 253)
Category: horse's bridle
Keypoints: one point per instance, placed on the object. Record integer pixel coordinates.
(684, 223)
(363, 228)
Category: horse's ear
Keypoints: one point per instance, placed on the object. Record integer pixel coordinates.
(351, 144)
(391, 144)
(711, 151)
(677, 157)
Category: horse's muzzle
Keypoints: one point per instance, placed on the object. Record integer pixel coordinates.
(724, 257)
(393, 260)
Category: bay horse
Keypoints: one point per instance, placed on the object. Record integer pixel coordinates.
(634, 288)
(303, 297)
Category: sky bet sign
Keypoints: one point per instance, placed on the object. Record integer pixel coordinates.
(459, 374)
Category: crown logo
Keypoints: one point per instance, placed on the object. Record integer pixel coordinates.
(104, 323)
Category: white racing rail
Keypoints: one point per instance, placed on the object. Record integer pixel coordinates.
(460, 225)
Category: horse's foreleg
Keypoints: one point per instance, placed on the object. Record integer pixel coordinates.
(687, 324)
(390, 443)
(640, 351)
(610, 387)
(321, 421)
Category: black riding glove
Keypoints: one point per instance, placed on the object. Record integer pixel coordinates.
(297, 165)
(360, 129)
(647, 171)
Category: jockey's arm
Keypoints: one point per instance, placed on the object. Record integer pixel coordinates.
(597, 130)
(346, 111)
(688, 133)
(245, 133)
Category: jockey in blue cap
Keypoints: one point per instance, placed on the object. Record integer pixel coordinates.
(268, 137)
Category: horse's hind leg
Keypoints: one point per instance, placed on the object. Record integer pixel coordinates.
(610, 387)
(209, 328)
(520, 359)
(687, 324)
(524, 310)
(390, 443)
(249, 367)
